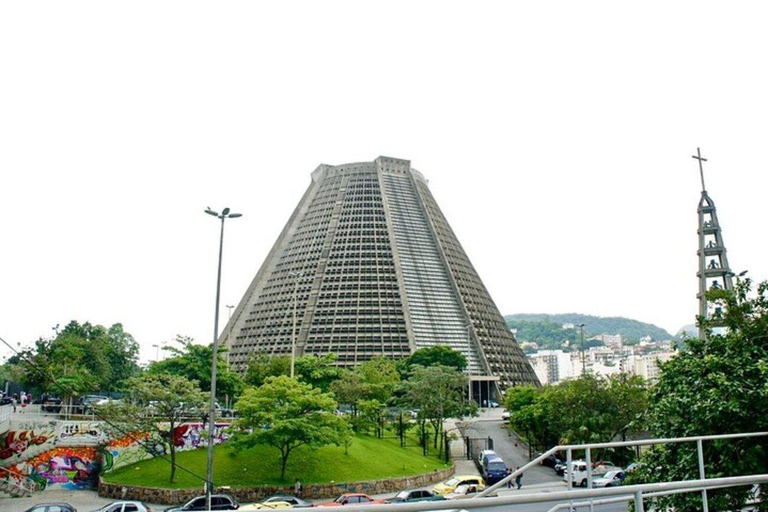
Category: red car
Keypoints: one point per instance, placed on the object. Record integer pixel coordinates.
(352, 499)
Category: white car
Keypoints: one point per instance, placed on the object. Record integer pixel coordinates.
(610, 479)
(124, 506)
(505, 415)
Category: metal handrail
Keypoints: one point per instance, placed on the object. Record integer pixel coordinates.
(626, 492)
(639, 442)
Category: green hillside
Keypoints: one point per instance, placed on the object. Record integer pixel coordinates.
(547, 330)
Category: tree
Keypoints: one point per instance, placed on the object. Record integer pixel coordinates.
(156, 401)
(716, 386)
(586, 410)
(194, 361)
(262, 365)
(318, 371)
(80, 358)
(438, 393)
(431, 356)
(375, 379)
(285, 413)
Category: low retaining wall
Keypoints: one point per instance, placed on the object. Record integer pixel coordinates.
(249, 494)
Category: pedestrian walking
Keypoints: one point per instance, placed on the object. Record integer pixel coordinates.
(509, 481)
(519, 479)
(297, 488)
(13, 401)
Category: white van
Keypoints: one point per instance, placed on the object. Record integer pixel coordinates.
(579, 468)
(580, 472)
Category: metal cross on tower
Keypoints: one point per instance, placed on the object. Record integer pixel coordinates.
(698, 157)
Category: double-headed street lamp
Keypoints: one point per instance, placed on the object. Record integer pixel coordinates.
(212, 413)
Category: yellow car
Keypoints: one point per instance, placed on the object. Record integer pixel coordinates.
(266, 506)
(450, 485)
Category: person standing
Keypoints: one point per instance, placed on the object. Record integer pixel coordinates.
(297, 488)
(519, 479)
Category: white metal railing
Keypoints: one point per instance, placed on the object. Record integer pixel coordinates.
(640, 442)
(15, 482)
(626, 493)
(5, 412)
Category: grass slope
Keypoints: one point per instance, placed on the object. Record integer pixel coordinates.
(369, 458)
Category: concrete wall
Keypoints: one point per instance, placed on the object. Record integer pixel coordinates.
(250, 494)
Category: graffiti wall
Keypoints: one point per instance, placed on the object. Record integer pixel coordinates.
(71, 454)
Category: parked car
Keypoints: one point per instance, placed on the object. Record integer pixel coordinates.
(52, 507)
(451, 484)
(463, 491)
(481, 455)
(494, 469)
(85, 403)
(414, 496)
(293, 500)
(610, 479)
(274, 505)
(352, 499)
(580, 475)
(218, 502)
(51, 403)
(124, 506)
(552, 460)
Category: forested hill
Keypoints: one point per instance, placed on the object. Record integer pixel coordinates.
(547, 329)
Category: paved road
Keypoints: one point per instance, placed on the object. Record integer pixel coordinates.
(506, 445)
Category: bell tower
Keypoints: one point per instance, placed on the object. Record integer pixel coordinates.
(714, 271)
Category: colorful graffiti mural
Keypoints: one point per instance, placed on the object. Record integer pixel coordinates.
(71, 454)
(67, 467)
(190, 436)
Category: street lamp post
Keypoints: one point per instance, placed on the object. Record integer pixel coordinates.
(225, 213)
(296, 275)
(581, 349)
(469, 365)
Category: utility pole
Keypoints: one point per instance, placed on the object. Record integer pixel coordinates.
(581, 348)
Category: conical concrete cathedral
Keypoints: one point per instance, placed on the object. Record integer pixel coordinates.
(367, 265)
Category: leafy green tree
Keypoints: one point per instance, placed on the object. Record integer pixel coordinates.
(586, 410)
(349, 388)
(317, 371)
(716, 386)
(158, 404)
(80, 358)
(194, 362)
(375, 379)
(262, 365)
(431, 356)
(438, 393)
(285, 413)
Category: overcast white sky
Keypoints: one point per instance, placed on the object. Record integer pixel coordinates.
(557, 138)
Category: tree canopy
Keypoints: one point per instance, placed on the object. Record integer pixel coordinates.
(716, 386)
(285, 413)
(590, 409)
(431, 356)
(194, 362)
(80, 358)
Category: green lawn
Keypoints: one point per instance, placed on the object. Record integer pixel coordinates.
(369, 458)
